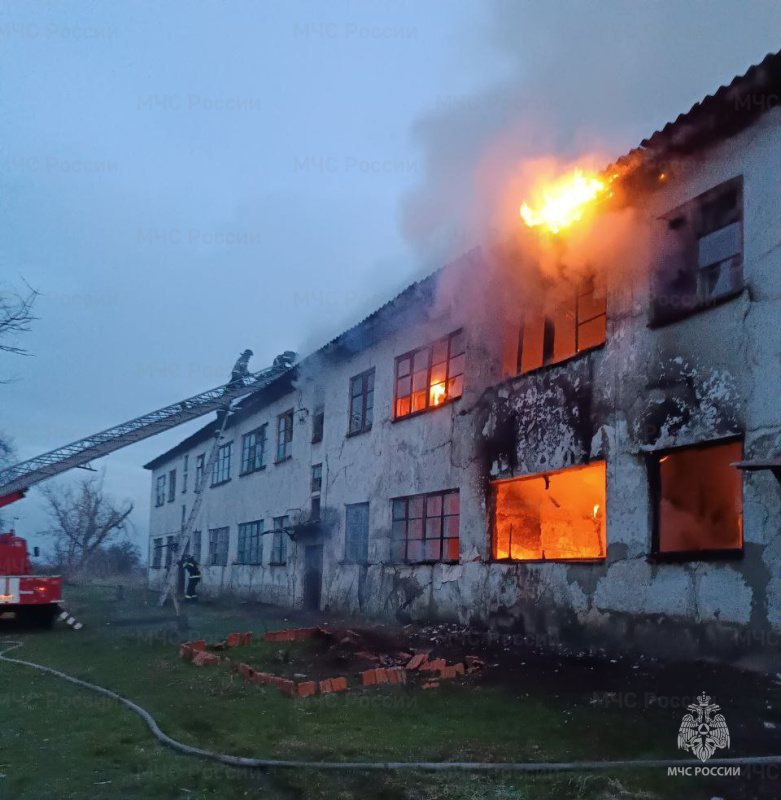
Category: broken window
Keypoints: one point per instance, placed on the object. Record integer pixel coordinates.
(160, 491)
(172, 486)
(199, 468)
(157, 553)
(279, 542)
(218, 546)
(185, 467)
(197, 546)
(700, 257)
(430, 376)
(221, 471)
(698, 504)
(555, 515)
(572, 327)
(361, 402)
(316, 489)
(425, 527)
(253, 450)
(249, 545)
(284, 435)
(356, 533)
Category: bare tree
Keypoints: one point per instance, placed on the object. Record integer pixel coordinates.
(84, 520)
(16, 314)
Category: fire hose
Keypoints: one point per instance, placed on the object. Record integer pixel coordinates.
(436, 766)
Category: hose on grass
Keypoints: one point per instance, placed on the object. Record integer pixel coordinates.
(431, 766)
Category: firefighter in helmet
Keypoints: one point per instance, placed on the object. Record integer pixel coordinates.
(190, 566)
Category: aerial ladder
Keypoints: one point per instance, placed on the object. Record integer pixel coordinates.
(17, 480)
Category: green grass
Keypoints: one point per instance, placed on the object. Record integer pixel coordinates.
(60, 741)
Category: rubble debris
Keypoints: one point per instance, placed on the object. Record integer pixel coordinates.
(417, 660)
(293, 634)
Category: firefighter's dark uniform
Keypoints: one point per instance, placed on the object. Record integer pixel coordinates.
(190, 566)
(238, 373)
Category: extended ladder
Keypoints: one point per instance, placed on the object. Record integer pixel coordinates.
(16, 480)
(183, 540)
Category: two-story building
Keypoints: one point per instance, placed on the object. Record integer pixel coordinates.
(594, 460)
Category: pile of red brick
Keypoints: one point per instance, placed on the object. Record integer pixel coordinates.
(292, 635)
(196, 651)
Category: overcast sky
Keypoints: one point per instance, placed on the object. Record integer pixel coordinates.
(181, 180)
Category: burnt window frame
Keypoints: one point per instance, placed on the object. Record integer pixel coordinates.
(160, 493)
(171, 485)
(424, 497)
(316, 491)
(366, 415)
(249, 544)
(691, 212)
(655, 555)
(221, 469)
(251, 459)
(491, 518)
(588, 287)
(284, 436)
(410, 354)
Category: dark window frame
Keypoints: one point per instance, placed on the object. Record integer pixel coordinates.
(279, 542)
(160, 492)
(365, 395)
(691, 218)
(197, 540)
(171, 547)
(284, 436)
(171, 485)
(318, 423)
(200, 467)
(410, 355)
(251, 460)
(185, 468)
(656, 555)
(219, 546)
(221, 469)
(316, 491)
(157, 552)
(250, 542)
(424, 497)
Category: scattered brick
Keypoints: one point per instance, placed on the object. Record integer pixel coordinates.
(234, 639)
(459, 668)
(431, 685)
(339, 684)
(474, 661)
(381, 675)
(402, 656)
(307, 688)
(199, 644)
(416, 661)
(470, 670)
(447, 672)
(396, 675)
(246, 671)
(218, 646)
(326, 686)
(286, 687)
(367, 656)
(202, 658)
(292, 635)
(433, 666)
(369, 677)
(186, 651)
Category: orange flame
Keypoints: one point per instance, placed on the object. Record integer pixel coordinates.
(565, 201)
(596, 510)
(437, 394)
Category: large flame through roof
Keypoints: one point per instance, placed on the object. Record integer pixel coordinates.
(565, 201)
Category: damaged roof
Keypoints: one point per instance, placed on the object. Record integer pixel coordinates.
(730, 109)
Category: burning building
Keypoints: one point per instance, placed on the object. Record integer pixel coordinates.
(596, 460)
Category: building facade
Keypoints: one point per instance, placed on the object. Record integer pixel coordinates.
(601, 469)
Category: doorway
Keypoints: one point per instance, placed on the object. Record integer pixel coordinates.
(313, 576)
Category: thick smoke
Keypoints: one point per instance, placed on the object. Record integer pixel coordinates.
(585, 82)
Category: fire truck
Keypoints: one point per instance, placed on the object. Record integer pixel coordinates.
(31, 599)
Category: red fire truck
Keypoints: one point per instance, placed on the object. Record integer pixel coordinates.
(31, 599)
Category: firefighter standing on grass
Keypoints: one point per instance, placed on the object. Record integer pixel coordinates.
(190, 565)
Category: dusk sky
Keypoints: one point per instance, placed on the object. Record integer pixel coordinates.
(182, 180)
